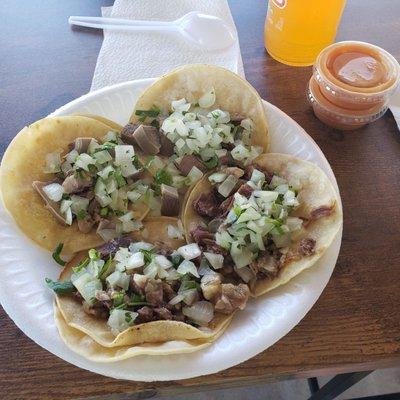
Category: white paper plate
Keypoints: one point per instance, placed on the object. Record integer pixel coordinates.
(23, 267)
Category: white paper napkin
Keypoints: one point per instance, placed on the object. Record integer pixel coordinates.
(136, 55)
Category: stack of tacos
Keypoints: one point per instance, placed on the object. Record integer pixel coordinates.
(171, 222)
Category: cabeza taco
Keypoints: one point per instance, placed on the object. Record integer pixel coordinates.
(268, 222)
(142, 289)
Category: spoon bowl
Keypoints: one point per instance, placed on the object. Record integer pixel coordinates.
(204, 31)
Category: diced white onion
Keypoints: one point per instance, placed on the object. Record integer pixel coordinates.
(174, 232)
(257, 176)
(163, 261)
(53, 163)
(54, 191)
(93, 145)
(216, 260)
(110, 136)
(190, 296)
(194, 175)
(134, 247)
(124, 154)
(71, 156)
(118, 279)
(204, 268)
(151, 270)
(217, 177)
(140, 280)
(266, 195)
(188, 267)
(134, 196)
(241, 256)
(180, 105)
(294, 223)
(83, 161)
(189, 251)
(87, 285)
(247, 124)
(219, 116)
(102, 156)
(177, 299)
(208, 99)
(201, 312)
(79, 203)
(120, 320)
(136, 260)
(226, 187)
(106, 172)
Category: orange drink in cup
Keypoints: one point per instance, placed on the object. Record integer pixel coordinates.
(297, 30)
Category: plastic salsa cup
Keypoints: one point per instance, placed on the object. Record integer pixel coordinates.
(338, 117)
(356, 75)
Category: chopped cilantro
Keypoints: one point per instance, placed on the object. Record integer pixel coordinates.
(155, 123)
(136, 162)
(118, 298)
(163, 176)
(104, 212)
(94, 255)
(176, 259)
(81, 214)
(212, 162)
(60, 287)
(137, 298)
(119, 178)
(148, 255)
(56, 254)
(128, 317)
(104, 269)
(60, 175)
(83, 264)
(107, 146)
(152, 113)
(189, 284)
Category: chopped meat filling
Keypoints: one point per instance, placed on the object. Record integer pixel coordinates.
(307, 247)
(232, 297)
(206, 205)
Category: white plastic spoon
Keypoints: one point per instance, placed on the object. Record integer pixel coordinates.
(206, 31)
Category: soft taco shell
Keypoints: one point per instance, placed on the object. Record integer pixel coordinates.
(85, 346)
(150, 332)
(113, 125)
(314, 191)
(23, 163)
(233, 94)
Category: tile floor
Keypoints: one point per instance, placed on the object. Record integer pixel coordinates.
(379, 382)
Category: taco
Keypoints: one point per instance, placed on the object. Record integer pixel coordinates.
(85, 346)
(205, 116)
(113, 125)
(268, 222)
(82, 181)
(148, 287)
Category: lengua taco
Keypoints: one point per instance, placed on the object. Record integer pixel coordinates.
(207, 116)
(268, 222)
(84, 180)
(85, 346)
(148, 287)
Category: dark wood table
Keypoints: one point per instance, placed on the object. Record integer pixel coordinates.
(354, 326)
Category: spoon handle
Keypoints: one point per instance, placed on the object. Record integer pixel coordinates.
(121, 24)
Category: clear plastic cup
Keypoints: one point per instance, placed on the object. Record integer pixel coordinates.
(338, 117)
(353, 97)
